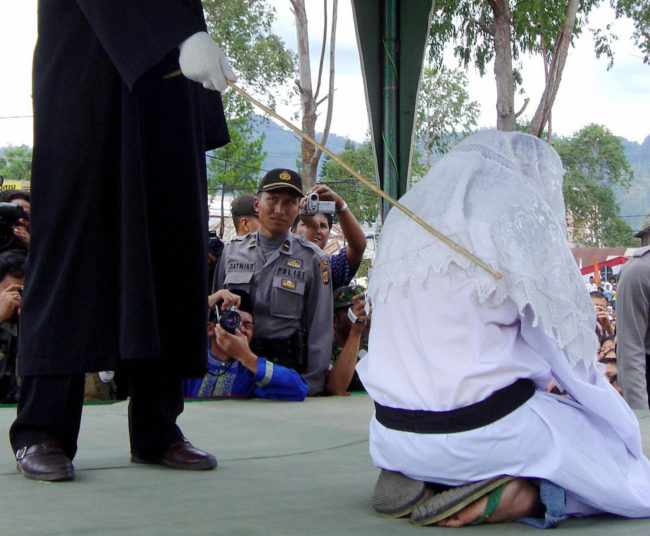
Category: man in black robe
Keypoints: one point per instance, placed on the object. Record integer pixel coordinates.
(116, 271)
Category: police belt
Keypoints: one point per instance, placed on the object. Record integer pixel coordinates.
(494, 407)
(287, 352)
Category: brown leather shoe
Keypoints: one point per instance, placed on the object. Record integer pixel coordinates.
(181, 455)
(44, 461)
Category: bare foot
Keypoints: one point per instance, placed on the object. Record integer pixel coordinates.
(519, 499)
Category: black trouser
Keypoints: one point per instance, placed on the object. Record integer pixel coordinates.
(50, 407)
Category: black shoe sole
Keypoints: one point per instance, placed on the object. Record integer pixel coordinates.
(58, 476)
(204, 465)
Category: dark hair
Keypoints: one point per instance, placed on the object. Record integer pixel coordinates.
(598, 294)
(12, 262)
(9, 195)
(237, 219)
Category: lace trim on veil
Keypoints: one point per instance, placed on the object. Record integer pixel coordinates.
(519, 235)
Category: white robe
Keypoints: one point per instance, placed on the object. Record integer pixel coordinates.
(435, 349)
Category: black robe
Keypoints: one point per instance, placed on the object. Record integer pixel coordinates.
(118, 255)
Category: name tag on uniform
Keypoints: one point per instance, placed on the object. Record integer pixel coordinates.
(287, 283)
(241, 266)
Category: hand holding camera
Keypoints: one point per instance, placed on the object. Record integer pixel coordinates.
(10, 215)
(313, 205)
(357, 313)
(228, 300)
(10, 301)
(322, 199)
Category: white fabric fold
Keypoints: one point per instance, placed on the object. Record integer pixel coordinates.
(498, 195)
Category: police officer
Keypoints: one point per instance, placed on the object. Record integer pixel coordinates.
(288, 278)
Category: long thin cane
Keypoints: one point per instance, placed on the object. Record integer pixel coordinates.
(363, 180)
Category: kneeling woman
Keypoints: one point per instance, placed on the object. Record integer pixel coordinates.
(458, 361)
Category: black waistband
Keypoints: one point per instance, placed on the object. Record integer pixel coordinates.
(493, 408)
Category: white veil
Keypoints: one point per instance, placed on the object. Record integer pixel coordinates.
(498, 195)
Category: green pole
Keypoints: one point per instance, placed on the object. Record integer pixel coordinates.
(390, 130)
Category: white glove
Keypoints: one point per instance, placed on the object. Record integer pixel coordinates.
(201, 60)
(106, 376)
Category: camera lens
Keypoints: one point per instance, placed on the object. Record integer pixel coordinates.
(230, 321)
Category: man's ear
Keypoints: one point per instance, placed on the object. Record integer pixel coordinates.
(256, 204)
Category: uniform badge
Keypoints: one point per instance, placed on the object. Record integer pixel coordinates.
(326, 276)
(294, 263)
(323, 264)
(285, 176)
(286, 245)
(287, 283)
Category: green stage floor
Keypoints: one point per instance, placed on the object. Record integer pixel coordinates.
(284, 468)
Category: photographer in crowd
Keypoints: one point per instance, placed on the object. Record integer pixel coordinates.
(288, 279)
(233, 369)
(351, 326)
(14, 219)
(315, 225)
(12, 277)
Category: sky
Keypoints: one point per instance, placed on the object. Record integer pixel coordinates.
(618, 99)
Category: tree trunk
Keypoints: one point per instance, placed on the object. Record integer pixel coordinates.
(503, 65)
(308, 99)
(542, 115)
(330, 89)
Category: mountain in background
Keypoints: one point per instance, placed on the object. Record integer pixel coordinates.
(283, 146)
(283, 150)
(635, 203)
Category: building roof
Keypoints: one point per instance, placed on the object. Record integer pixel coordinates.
(642, 232)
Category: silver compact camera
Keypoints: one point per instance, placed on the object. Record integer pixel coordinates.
(314, 206)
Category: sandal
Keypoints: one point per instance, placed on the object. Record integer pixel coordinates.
(396, 495)
(442, 505)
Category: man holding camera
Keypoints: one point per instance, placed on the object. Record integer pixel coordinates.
(316, 225)
(12, 277)
(288, 279)
(233, 369)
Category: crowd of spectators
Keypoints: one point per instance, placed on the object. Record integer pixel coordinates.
(14, 241)
(238, 365)
(603, 297)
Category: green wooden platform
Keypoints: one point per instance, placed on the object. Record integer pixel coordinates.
(284, 468)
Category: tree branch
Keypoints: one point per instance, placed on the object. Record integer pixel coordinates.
(526, 101)
(322, 51)
(562, 44)
(330, 91)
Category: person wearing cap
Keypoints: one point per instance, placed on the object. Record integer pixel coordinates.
(288, 279)
(316, 228)
(351, 325)
(233, 369)
(244, 215)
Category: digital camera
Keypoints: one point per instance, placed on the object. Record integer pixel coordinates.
(314, 206)
(9, 214)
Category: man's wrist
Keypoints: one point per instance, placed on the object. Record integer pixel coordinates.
(354, 318)
(343, 208)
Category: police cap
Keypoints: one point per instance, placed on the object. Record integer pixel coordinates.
(281, 179)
